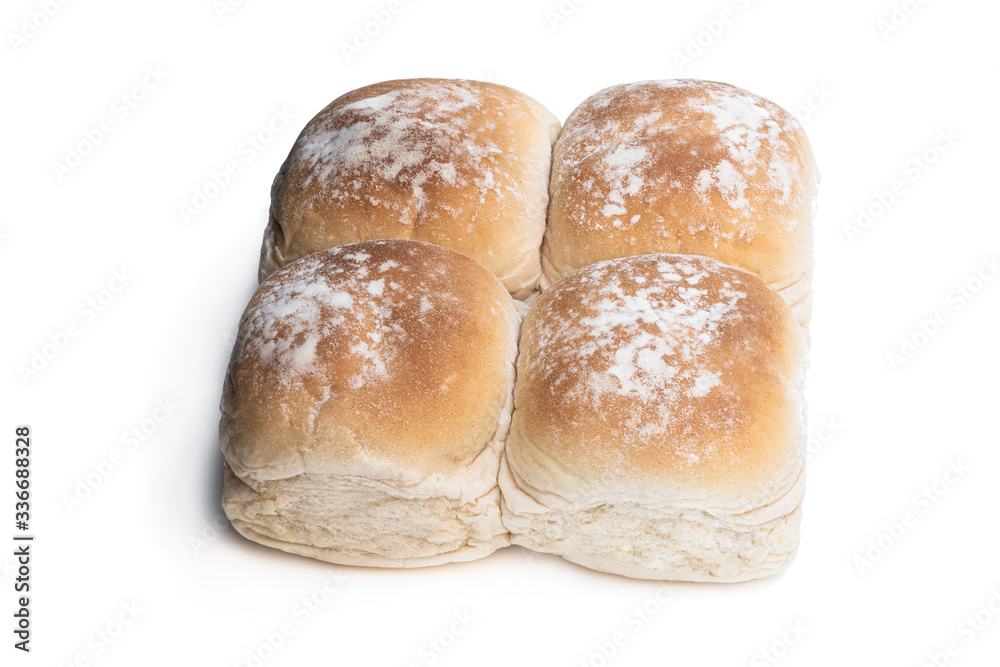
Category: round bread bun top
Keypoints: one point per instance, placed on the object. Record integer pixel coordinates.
(369, 358)
(659, 378)
(464, 164)
(682, 166)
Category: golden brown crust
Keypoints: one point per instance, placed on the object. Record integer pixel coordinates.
(690, 167)
(389, 354)
(668, 377)
(464, 164)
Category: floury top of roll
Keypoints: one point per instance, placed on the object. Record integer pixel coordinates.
(659, 422)
(366, 406)
(463, 164)
(690, 167)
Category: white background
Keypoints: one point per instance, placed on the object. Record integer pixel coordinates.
(148, 536)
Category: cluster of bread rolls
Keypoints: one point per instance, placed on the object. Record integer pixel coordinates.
(475, 328)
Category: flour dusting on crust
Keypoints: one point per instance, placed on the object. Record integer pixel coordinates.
(648, 328)
(641, 333)
(315, 305)
(629, 150)
(429, 133)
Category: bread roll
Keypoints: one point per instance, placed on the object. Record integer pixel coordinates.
(658, 429)
(691, 167)
(463, 164)
(366, 405)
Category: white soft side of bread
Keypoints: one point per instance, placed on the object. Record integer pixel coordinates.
(645, 539)
(382, 520)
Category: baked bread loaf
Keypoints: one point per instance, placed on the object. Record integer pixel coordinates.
(690, 167)
(463, 164)
(366, 406)
(658, 429)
